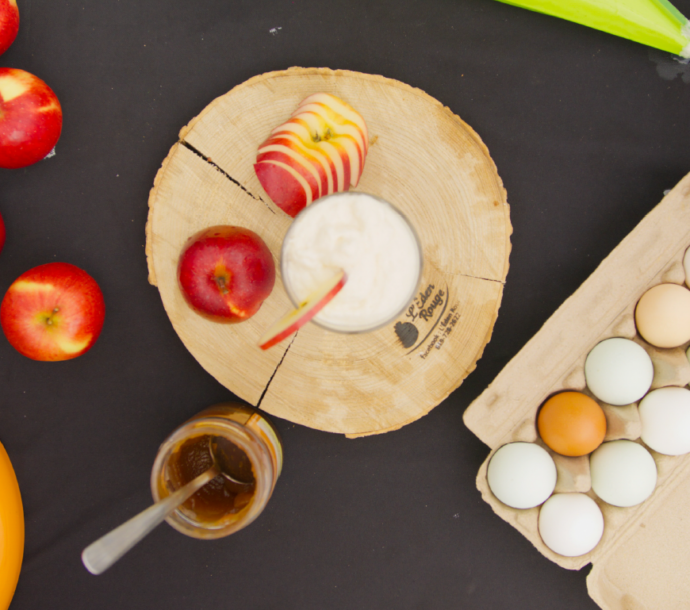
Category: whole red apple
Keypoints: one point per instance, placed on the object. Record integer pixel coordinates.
(53, 312)
(225, 273)
(30, 118)
(9, 23)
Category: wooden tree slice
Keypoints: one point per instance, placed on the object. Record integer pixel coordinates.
(424, 160)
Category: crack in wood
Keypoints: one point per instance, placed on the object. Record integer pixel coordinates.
(488, 279)
(467, 275)
(222, 171)
(258, 404)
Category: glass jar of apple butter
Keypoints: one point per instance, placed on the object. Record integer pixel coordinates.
(252, 452)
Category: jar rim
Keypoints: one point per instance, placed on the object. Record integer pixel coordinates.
(293, 297)
(255, 449)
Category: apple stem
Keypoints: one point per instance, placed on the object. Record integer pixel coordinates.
(221, 282)
(49, 317)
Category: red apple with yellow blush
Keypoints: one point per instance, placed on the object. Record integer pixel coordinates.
(9, 23)
(225, 273)
(30, 119)
(53, 312)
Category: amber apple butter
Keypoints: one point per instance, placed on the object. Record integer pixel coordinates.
(244, 445)
(221, 496)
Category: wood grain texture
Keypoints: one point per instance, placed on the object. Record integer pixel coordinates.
(424, 160)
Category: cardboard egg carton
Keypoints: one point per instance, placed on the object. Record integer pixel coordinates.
(643, 558)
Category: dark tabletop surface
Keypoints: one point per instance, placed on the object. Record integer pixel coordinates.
(587, 131)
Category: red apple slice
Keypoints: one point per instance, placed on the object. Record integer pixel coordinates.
(338, 125)
(298, 133)
(333, 140)
(312, 135)
(295, 319)
(324, 137)
(342, 108)
(318, 160)
(342, 126)
(286, 188)
(287, 156)
(331, 144)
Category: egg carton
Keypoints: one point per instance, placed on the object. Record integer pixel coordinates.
(643, 558)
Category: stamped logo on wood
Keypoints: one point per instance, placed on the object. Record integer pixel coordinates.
(429, 317)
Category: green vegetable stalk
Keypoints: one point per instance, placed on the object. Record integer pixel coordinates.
(656, 23)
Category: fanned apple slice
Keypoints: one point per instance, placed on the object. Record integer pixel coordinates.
(312, 130)
(352, 150)
(341, 165)
(342, 108)
(332, 140)
(293, 135)
(296, 318)
(346, 145)
(286, 188)
(288, 157)
(311, 154)
(342, 125)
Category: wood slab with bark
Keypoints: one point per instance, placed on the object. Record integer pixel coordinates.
(424, 160)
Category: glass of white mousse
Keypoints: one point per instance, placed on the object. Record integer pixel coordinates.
(371, 241)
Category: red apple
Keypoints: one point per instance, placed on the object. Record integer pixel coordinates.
(225, 273)
(9, 23)
(30, 118)
(295, 319)
(53, 312)
(319, 150)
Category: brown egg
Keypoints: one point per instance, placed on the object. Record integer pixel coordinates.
(572, 424)
(662, 315)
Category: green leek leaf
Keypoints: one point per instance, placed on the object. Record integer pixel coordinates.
(656, 23)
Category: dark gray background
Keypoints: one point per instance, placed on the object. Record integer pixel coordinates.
(587, 131)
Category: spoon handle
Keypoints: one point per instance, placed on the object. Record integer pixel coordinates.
(104, 552)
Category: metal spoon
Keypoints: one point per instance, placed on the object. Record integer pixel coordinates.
(104, 552)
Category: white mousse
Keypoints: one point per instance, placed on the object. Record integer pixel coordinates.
(367, 238)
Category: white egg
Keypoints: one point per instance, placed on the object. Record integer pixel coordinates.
(521, 475)
(665, 418)
(619, 371)
(623, 473)
(571, 524)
